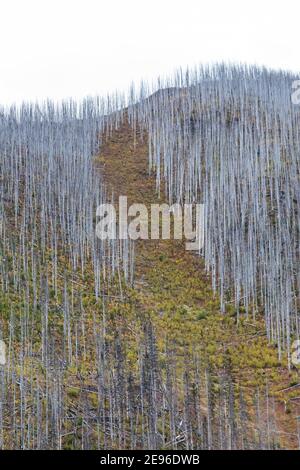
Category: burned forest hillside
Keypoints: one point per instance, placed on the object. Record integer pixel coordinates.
(141, 344)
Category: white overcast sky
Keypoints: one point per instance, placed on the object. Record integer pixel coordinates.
(62, 48)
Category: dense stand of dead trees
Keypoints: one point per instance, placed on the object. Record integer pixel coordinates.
(228, 137)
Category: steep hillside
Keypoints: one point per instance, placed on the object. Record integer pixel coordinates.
(152, 365)
(114, 344)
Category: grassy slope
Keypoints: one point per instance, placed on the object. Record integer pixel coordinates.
(172, 287)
